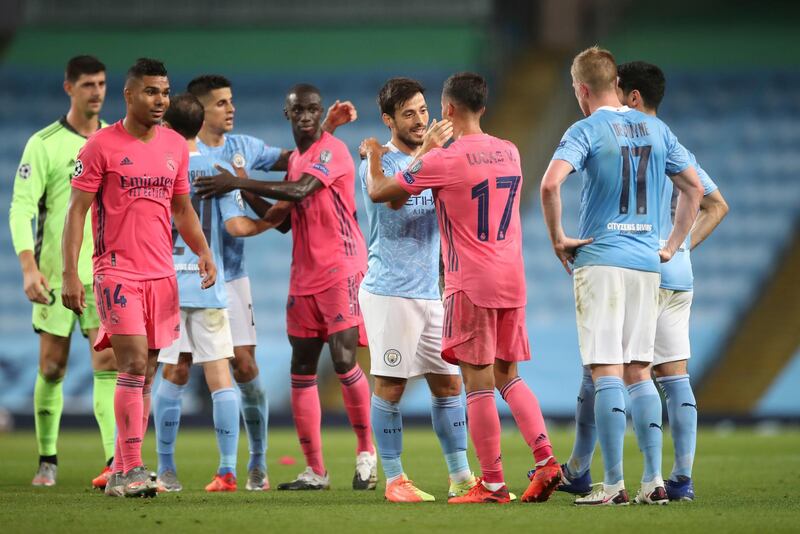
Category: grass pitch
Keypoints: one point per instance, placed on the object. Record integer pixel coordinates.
(746, 481)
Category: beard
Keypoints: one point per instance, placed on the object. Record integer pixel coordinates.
(409, 141)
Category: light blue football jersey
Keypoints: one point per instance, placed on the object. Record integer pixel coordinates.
(251, 153)
(677, 274)
(212, 214)
(623, 157)
(403, 257)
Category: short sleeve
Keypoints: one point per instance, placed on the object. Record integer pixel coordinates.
(428, 172)
(333, 162)
(708, 184)
(677, 157)
(575, 146)
(89, 167)
(182, 178)
(231, 205)
(264, 156)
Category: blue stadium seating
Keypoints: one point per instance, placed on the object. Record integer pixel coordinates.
(744, 129)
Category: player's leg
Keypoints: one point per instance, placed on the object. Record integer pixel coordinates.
(48, 403)
(105, 377)
(132, 360)
(577, 477)
(254, 403)
(104, 367)
(449, 419)
(167, 413)
(344, 327)
(307, 412)
(639, 332)
(600, 340)
(448, 412)
(225, 404)
(673, 378)
(670, 366)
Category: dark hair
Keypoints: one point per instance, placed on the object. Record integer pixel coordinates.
(396, 92)
(82, 65)
(202, 85)
(468, 89)
(146, 66)
(647, 78)
(303, 88)
(185, 115)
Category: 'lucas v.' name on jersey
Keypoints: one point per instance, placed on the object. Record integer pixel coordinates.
(623, 156)
(131, 214)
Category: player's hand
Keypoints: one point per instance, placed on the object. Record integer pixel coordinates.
(207, 269)
(437, 135)
(665, 254)
(36, 287)
(339, 114)
(240, 172)
(73, 294)
(566, 248)
(371, 145)
(217, 185)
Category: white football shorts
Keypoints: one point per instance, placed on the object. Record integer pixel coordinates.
(672, 328)
(205, 333)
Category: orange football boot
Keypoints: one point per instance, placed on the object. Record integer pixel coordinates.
(226, 482)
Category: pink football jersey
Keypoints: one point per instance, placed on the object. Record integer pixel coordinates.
(327, 245)
(476, 183)
(134, 182)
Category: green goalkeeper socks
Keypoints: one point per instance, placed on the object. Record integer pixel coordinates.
(48, 403)
(104, 384)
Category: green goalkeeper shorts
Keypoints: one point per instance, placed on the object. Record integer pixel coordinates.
(57, 320)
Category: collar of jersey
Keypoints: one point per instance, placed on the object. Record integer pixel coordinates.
(621, 109)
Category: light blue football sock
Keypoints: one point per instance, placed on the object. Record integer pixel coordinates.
(647, 423)
(682, 414)
(585, 430)
(226, 426)
(387, 425)
(610, 418)
(255, 412)
(449, 419)
(167, 417)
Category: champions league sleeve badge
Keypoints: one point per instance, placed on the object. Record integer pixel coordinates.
(325, 156)
(78, 169)
(24, 171)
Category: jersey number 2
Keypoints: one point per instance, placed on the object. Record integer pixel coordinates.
(481, 192)
(643, 153)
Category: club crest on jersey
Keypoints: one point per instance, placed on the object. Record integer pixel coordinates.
(392, 358)
(325, 156)
(24, 171)
(238, 160)
(416, 167)
(78, 169)
(171, 165)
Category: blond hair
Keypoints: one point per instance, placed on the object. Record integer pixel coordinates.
(596, 68)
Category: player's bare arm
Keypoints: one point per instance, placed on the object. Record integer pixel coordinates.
(261, 207)
(691, 192)
(380, 188)
(211, 186)
(563, 246)
(274, 217)
(713, 209)
(73, 294)
(189, 228)
(339, 114)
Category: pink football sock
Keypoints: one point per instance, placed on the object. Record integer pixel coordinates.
(525, 409)
(484, 429)
(145, 409)
(307, 415)
(356, 395)
(117, 465)
(128, 414)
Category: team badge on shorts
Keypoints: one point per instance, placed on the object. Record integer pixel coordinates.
(24, 171)
(114, 318)
(392, 358)
(325, 156)
(238, 160)
(78, 169)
